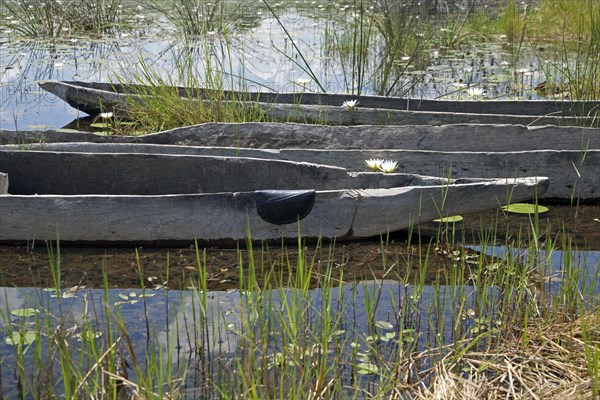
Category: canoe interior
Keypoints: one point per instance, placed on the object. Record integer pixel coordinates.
(62, 173)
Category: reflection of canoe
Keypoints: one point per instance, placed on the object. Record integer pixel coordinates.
(569, 156)
(94, 97)
(150, 197)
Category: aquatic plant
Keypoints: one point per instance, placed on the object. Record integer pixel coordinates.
(196, 91)
(300, 324)
(54, 18)
(197, 18)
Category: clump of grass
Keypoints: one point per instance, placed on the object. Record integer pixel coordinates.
(483, 326)
(196, 92)
(573, 71)
(52, 19)
(200, 17)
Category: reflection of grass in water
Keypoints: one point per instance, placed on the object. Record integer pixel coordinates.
(485, 322)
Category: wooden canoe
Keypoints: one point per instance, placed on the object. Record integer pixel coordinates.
(571, 176)
(569, 156)
(96, 97)
(126, 197)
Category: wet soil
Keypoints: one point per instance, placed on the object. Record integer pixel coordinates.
(396, 257)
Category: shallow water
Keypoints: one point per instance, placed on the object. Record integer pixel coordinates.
(256, 56)
(253, 64)
(173, 317)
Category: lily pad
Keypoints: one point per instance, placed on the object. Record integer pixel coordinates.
(524, 208)
(18, 338)
(451, 219)
(367, 368)
(384, 325)
(24, 312)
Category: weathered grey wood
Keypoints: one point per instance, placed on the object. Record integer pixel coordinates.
(87, 93)
(92, 98)
(572, 173)
(73, 173)
(3, 183)
(462, 137)
(344, 214)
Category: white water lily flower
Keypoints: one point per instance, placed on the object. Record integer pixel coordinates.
(374, 163)
(388, 166)
(475, 92)
(350, 104)
(106, 115)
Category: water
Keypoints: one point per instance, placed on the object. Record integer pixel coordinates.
(558, 266)
(173, 316)
(258, 55)
(405, 316)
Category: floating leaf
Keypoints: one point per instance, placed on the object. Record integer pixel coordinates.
(451, 219)
(524, 208)
(24, 312)
(390, 335)
(384, 325)
(367, 368)
(123, 296)
(18, 338)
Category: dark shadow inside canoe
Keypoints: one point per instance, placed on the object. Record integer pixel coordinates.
(73, 173)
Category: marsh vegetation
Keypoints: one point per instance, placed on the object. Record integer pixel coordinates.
(508, 313)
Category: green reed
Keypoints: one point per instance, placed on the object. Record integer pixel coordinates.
(198, 18)
(430, 318)
(194, 92)
(53, 19)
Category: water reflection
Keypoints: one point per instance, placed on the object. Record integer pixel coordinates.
(173, 320)
(558, 266)
(208, 332)
(258, 56)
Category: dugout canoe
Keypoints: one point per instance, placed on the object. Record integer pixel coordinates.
(569, 156)
(572, 174)
(96, 97)
(126, 197)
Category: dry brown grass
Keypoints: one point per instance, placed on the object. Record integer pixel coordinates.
(544, 361)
